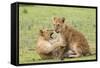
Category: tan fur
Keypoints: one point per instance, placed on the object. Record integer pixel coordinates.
(75, 41)
(47, 47)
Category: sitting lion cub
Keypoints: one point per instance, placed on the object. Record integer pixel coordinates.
(77, 45)
(48, 46)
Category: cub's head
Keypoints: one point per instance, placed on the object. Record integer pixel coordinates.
(58, 23)
(46, 34)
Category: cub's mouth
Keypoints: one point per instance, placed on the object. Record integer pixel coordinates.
(57, 31)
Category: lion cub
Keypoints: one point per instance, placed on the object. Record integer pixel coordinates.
(77, 44)
(49, 47)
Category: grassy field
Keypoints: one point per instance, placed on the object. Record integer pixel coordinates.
(34, 18)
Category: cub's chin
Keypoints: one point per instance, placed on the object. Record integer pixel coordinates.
(57, 31)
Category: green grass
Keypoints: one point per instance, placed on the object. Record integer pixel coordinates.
(34, 18)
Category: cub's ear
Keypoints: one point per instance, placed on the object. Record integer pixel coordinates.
(63, 19)
(54, 19)
(41, 32)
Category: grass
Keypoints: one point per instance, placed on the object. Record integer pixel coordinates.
(33, 18)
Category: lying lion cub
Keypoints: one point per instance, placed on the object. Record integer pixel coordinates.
(49, 46)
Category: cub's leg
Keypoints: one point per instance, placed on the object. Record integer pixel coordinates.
(69, 52)
(58, 53)
(76, 50)
(61, 53)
